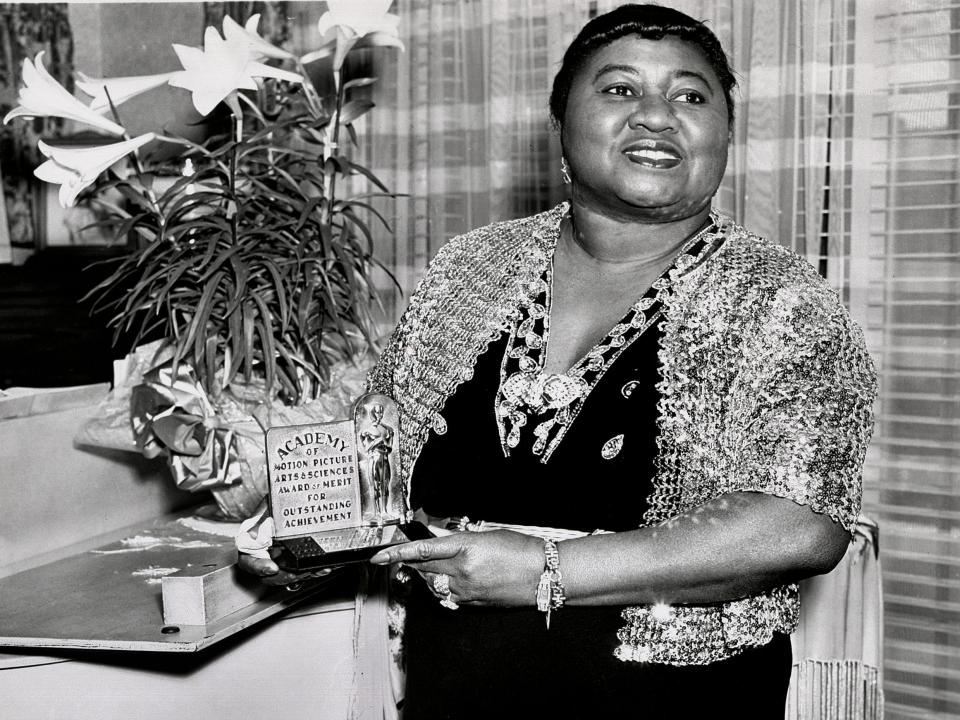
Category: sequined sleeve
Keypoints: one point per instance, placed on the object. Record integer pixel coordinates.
(800, 410)
(766, 386)
(381, 376)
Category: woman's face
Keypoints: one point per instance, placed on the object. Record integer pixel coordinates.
(646, 130)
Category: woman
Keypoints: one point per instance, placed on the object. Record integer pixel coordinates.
(632, 362)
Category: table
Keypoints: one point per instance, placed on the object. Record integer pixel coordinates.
(85, 638)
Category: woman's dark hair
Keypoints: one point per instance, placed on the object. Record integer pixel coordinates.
(651, 22)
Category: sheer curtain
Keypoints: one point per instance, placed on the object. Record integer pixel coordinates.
(846, 149)
(462, 126)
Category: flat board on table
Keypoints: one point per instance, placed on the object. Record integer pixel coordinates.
(109, 598)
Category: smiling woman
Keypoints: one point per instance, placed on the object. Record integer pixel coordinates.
(631, 362)
(645, 128)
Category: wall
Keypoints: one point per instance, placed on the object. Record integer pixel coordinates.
(121, 39)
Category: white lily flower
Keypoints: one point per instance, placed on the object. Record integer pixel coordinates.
(350, 23)
(221, 68)
(360, 17)
(75, 168)
(42, 96)
(121, 89)
(330, 46)
(248, 36)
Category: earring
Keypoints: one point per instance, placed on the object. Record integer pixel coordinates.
(564, 170)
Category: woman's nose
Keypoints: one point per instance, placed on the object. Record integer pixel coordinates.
(654, 112)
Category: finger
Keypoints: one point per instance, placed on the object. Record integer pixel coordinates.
(280, 579)
(271, 574)
(420, 551)
(319, 573)
(261, 567)
(284, 577)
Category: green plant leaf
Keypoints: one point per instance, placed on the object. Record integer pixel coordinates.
(358, 82)
(362, 227)
(174, 273)
(354, 109)
(265, 331)
(353, 134)
(210, 355)
(352, 203)
(235, 333)
(249, 320)
(280, 292)
(202, 311)
(308, 208)
(218, 253)
(354, 168)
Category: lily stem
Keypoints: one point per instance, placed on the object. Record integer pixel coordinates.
(330, 169)
(135, 161)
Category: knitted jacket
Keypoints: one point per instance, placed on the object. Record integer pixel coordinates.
(766, 386)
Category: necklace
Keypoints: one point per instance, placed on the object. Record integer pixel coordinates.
(553, 400)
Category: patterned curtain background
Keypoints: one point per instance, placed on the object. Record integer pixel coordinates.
(25, 30)
(464, 128)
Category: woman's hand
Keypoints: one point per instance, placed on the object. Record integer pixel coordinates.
(485, 568)
(270, 573)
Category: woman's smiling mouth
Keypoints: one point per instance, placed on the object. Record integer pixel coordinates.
(651, 153)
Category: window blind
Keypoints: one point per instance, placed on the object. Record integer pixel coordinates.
(905, 287)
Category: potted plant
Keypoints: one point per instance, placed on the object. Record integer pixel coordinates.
(250, 259)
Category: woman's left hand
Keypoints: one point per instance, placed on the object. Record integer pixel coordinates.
(499, 567)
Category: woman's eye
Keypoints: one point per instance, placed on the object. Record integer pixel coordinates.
(622, 90)
(690, 96)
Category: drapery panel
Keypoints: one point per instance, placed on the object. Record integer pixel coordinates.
(904, 259)
(846, 149)
(26, 30)
(464, 129)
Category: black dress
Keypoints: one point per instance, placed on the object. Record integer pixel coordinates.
(504, 662)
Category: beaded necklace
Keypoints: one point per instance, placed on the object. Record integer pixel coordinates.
(553, 400)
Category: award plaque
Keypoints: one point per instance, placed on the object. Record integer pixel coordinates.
(336, 495)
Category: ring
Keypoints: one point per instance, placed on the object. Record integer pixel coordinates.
(293, 587)
(441, 586)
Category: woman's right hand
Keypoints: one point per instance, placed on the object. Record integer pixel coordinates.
(254, 542)
(270, 573)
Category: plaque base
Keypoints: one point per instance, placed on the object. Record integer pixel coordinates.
(347, 545)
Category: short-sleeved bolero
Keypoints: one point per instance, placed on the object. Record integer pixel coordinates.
(766, 386)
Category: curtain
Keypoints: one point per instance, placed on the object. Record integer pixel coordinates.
(837, 646)
(25, 30)
(904, 256)
(464, 132)
(846, 149)
(463, 128)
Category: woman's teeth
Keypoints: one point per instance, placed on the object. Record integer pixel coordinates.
(656, 158)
